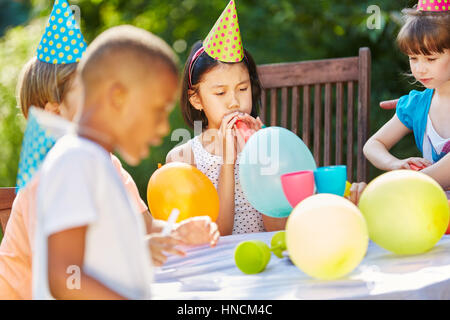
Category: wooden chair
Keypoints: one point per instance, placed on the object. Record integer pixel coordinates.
(289, 85)
(7, 196)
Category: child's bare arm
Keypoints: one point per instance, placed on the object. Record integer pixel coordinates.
(65, 249)
(273, 224)
(377, 147)
(225, 189)
(440, 171)
(182, 153)
(355, 192)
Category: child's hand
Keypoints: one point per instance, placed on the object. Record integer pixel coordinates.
(260, 124)
(355, 191)
(406, 163)
(232, 142)
(198, 231)
(160, 244)
(252, 123)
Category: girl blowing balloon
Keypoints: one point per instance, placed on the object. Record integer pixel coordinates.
(425, 38)
(221, 90)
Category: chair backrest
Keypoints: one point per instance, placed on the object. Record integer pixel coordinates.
(7, 196)
(324, 127)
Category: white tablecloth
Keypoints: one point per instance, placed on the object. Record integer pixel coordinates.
(210, 273)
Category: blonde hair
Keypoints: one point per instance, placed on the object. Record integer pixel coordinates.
(41, 82)
(424, 32)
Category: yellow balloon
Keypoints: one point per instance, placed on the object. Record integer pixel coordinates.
(406, 211)
(184, 187)
(326, 236)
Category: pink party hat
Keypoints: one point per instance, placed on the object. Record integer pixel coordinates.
(434, 5)
(224, 41)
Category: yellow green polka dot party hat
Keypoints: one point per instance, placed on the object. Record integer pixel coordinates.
(434, 5)
(224, 41)
(62, 41)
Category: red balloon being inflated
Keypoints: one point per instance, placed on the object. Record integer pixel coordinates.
(244, 129)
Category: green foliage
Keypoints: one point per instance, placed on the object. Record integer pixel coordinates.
(13, 13)
(16, 47)
(272, 30)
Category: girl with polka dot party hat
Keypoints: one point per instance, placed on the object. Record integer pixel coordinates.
(48, 82)
(45, 79)
(425, 38)
(221, 89)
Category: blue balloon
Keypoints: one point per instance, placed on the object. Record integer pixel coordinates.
(268, 154)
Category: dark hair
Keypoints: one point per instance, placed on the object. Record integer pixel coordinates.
(424, 32)
(204, 64)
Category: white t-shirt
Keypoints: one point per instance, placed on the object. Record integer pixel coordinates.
(433, 142)
(79, 186)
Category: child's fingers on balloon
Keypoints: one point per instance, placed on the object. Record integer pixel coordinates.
(357, 195)
(361, 187)
(247, 118)
(353, 196)
(405, 166)
(229, 117)
(258, 119)
(232, 122)
(354, 193)
(252, 122)
(425, 163)
(240, 140)
(417, 161)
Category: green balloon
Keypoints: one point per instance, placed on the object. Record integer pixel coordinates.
(252, 256)
(406, 211)
(278, 243)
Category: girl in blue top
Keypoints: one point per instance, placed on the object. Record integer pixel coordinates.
(425, 38)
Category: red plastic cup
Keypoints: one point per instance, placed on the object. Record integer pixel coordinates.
(297, 186)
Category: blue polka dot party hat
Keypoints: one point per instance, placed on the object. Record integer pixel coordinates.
(42, 131)
(62, 41)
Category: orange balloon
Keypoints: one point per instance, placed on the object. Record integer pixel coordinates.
(184, 187)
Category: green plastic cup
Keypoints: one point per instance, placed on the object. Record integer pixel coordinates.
(252, 256)
(278, 243)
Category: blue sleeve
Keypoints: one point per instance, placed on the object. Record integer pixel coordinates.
(412, 111)
(406, 109)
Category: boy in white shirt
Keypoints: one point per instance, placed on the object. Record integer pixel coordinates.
(87, 226)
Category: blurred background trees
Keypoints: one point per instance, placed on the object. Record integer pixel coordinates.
(272, 30)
